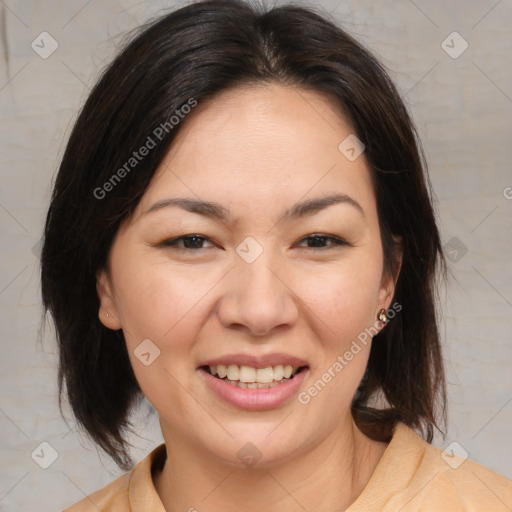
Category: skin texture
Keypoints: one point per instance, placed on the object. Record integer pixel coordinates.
(256, 150)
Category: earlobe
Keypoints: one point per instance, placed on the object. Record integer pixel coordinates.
(107, 312)
(386, 292)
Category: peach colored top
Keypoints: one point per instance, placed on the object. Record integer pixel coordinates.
(412, 476)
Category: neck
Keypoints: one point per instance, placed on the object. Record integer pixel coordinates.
(329, 476)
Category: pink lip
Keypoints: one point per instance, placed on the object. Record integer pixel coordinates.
(256, 361)
(254, 399)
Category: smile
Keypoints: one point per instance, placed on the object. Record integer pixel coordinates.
(253, 378)
(254, 389)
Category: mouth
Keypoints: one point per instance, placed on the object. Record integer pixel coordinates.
(254, 378)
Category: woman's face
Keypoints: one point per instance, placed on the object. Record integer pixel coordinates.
(255, 290)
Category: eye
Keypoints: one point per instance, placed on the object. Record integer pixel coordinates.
(319, 241)
(190, 242)
(195, 242)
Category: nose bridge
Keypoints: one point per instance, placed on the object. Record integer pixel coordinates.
(258, 278)
(257, 296)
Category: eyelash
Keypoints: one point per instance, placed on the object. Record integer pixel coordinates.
(173, 242)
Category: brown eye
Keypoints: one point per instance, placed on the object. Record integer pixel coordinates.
(322, 241)
(186, 242)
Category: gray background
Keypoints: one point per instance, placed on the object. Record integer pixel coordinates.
(462, 107)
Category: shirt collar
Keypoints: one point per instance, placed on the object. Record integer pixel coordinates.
(141, 490)
(391, 475)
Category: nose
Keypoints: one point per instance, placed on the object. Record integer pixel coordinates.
(258, 298)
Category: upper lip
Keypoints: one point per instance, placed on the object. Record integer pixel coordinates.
(262, 361)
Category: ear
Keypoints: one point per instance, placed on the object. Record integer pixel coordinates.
(390, 277)
(107, 304)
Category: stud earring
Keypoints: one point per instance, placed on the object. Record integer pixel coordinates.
(107, 315)
(382, 316)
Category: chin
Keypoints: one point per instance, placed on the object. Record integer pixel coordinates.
(258, 446)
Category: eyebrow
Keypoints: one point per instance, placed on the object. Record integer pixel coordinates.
(216, 211)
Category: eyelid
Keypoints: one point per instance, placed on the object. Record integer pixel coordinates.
(336, 241)
(173, 242)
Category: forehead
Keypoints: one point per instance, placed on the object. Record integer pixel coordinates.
(266, 146)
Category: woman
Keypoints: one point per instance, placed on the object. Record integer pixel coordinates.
(241, 231)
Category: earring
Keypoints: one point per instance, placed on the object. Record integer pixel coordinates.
(108, 315)
(382, 316)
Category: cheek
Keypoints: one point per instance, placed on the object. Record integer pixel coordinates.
(163, 306)
(156, 298)
(343, 297)
(342, 305)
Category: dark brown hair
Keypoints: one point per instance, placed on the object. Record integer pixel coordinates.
(197, 52)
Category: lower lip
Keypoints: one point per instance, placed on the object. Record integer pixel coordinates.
(254, 399)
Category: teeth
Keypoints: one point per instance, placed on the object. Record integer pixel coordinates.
(278, 372)
(247, 374)
(233, 372)
(253, 377)
(265, 375)
(255, 385)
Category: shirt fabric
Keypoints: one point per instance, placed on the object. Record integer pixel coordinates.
(412, 476)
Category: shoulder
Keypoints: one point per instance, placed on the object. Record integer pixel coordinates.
(133, 490)
(465, 482)
(414, 476)
(445, 480)
(114, 496)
